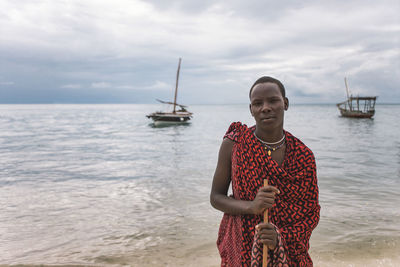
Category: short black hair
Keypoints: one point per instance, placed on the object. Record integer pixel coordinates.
(267, 79)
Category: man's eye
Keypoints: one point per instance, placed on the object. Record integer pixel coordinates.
(256, 103)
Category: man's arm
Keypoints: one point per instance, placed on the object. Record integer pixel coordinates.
(265, 197)
(221, 181)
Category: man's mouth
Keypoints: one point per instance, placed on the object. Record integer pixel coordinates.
(268, 118)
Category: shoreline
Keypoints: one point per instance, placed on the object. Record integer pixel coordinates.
(207, 255)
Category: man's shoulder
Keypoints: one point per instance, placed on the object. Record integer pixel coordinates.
(236, 131)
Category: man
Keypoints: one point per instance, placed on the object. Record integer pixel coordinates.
(248, 156)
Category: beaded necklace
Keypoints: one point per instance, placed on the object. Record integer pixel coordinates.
(268, 146)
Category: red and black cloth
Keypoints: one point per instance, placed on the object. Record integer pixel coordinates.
(296, 209)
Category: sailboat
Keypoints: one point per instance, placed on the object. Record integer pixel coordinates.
(357, 106)
(176, 116)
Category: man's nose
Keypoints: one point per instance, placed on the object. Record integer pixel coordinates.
(266, 107)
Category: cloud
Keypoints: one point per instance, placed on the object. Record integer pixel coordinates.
(100, 85)
(72, 86)
(6, 83)
(157, 85)
(134, 45)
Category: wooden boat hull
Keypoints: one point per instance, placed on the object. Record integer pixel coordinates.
(170, 118)
(356, 114)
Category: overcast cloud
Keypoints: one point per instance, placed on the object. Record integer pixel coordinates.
(98, 51)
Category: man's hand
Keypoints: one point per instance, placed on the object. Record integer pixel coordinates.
(267, 235)
(264, 199)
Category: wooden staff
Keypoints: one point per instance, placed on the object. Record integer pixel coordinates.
(265, 247)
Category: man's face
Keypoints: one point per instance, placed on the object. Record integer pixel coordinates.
(267, 105)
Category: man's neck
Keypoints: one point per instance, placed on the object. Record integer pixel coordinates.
(270, 135)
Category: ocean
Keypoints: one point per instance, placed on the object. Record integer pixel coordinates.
(99, 185)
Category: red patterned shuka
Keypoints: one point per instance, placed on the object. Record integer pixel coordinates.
(295, 212)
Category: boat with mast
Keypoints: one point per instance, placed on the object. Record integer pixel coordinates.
(357, 106)
(176, 116)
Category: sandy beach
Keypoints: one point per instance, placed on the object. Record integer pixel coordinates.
(207, 256)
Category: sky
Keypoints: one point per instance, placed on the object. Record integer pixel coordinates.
(127, 51)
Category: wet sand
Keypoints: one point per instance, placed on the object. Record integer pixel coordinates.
(207, 256)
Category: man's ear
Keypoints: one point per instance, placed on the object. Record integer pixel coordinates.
(251, 112)
(286, 100)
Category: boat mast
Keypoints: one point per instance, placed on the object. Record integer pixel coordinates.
(347, 88)
(347, 91)
(176, 86)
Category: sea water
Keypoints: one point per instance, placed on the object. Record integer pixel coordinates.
(100, 185)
